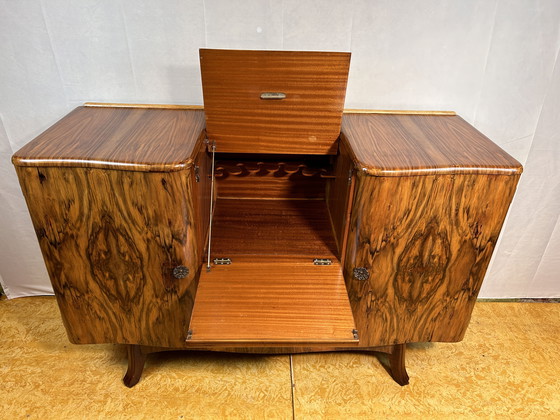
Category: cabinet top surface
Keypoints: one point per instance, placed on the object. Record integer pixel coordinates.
(140, 139)
(400, 145)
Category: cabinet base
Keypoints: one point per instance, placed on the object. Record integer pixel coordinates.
(397, 369)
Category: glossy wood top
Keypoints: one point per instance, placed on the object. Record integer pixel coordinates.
(138, 139)
(400, 145)
(307, 121)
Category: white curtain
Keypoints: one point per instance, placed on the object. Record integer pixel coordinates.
(495, 62)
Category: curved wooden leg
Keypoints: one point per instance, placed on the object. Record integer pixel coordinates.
(397, 361)
(136, 359)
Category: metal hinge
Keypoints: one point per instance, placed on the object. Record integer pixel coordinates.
(196, 174)
(222, 261)
(322, 261)
(189, 334)
(355, 334)
(350, 175)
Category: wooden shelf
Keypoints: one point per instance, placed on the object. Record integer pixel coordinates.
(276, 168)
(272, 302)
(272, 227)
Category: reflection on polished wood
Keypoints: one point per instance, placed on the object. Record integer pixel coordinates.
(132, 139)
(403, 145)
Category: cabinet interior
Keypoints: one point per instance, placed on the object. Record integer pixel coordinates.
(275, 206)
(273, 217)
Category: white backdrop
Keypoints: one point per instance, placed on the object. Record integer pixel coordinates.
(495, 62)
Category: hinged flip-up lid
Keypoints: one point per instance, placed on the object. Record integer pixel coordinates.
(286, 102)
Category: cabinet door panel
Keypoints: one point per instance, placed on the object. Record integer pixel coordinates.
(426, 242)
(111, 240)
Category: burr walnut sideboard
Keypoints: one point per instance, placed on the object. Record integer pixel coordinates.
(267, 222)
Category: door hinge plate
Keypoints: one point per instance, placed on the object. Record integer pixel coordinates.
(222, 261)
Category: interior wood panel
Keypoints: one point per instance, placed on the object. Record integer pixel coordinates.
(402, 145)
(272, 227)
(426, 242)
(202, 175)
(272, 302)
(110, 240)
(135, 139)
(339, 195)
(307, 121)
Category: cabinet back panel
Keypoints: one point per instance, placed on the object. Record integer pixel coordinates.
(272, 227)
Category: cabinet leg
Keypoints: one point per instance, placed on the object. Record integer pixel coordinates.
(397, 362)
(136, 359)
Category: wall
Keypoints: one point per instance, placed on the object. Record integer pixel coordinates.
(495, 62)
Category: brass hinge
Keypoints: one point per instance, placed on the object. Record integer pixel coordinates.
(322, 261)
(222, 261)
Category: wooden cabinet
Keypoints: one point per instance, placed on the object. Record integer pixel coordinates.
(112, 230)
(281, 226)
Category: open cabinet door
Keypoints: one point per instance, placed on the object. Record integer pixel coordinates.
(279, 302)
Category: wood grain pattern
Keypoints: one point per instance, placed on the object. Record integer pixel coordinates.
(306, 122)
(426, 241)
(339, 196)
(401, 145)
(272, 227)
(110, 240)
(271, 302)
(201, 195)
(118, 138)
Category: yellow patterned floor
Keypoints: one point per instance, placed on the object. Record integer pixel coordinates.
(508, 366)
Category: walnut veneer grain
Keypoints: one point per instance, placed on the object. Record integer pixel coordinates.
(426, 242)
(110, 240)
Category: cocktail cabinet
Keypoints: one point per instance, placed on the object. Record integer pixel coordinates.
(267, 221)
